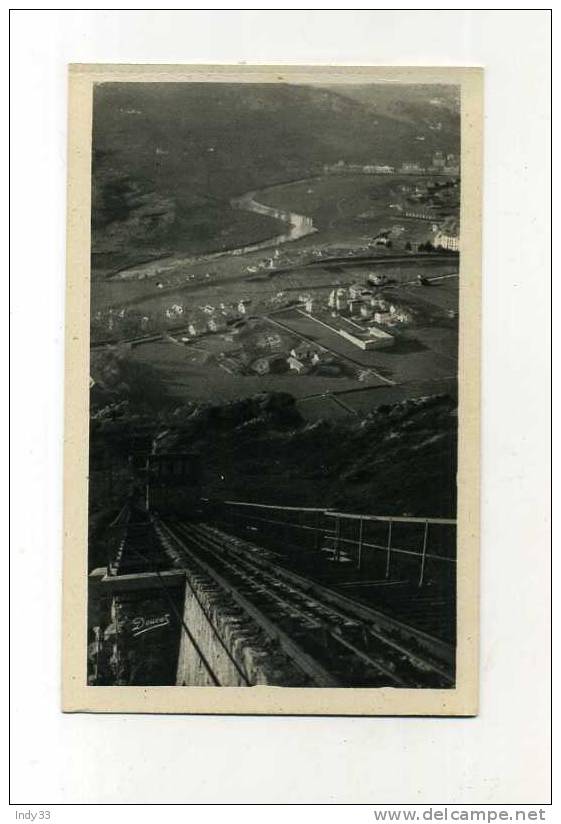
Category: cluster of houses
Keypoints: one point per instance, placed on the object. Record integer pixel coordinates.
(127, 320)
(361, 315)
(441, 163)
(361, 304)
(300, 360)
(274, 358)
(208, 318)
(341, 167)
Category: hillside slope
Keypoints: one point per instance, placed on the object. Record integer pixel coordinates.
(401, 459)
(167, 157)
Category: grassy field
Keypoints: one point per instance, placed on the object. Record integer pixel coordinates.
(347, 206)
(424, 351)
(190, 376)
(411, 358)
(332, 200)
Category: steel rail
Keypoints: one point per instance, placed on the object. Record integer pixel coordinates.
(304, 661)
(214, 629)
(439, 648)
(380, 637)
(329, 629)
(207, 540)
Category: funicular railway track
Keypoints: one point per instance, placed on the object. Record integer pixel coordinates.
(333, 640)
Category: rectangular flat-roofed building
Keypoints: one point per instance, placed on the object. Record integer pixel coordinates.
(372, 338)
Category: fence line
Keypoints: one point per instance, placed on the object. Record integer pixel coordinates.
(328, 526)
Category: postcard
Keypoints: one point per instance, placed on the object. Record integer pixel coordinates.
(272, 390)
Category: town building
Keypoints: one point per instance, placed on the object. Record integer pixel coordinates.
(410, 166)
(383, 317)
(196, 328)
(446, 241)
(340, 300)
(337, 298)
(217, 323)
(382, 241)
(439, 161)
(355, 291)
(354, 306)
(377, 279)
(373, 338)
(452, 166)
(399, 315)
(296, 365)
(270, 341)
(305, 352)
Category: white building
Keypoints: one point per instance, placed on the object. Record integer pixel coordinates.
(217, 323)
(374, 339)
(446, 241)
(195, 329)
(365, 310)
(296, 365)
(383, 317)
(410, 166)
(305, 353)
(377, 279)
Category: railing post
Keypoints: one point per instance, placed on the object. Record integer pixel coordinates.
(359, 561)
(424, 554)
(318, 532)
(337, 547)
(389, 549)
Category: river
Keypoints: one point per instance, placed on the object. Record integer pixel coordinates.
(298, 226)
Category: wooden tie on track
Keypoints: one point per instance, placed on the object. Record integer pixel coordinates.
(327, 635)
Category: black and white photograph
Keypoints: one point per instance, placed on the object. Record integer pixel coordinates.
(280, 426)
(275, 272)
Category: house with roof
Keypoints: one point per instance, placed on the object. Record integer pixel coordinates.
(305, 352)
(355, 290)
(296, 365)
(196, 328)
(217, 323)
(271, 340)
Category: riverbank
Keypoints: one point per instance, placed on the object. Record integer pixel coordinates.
(299, 226)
